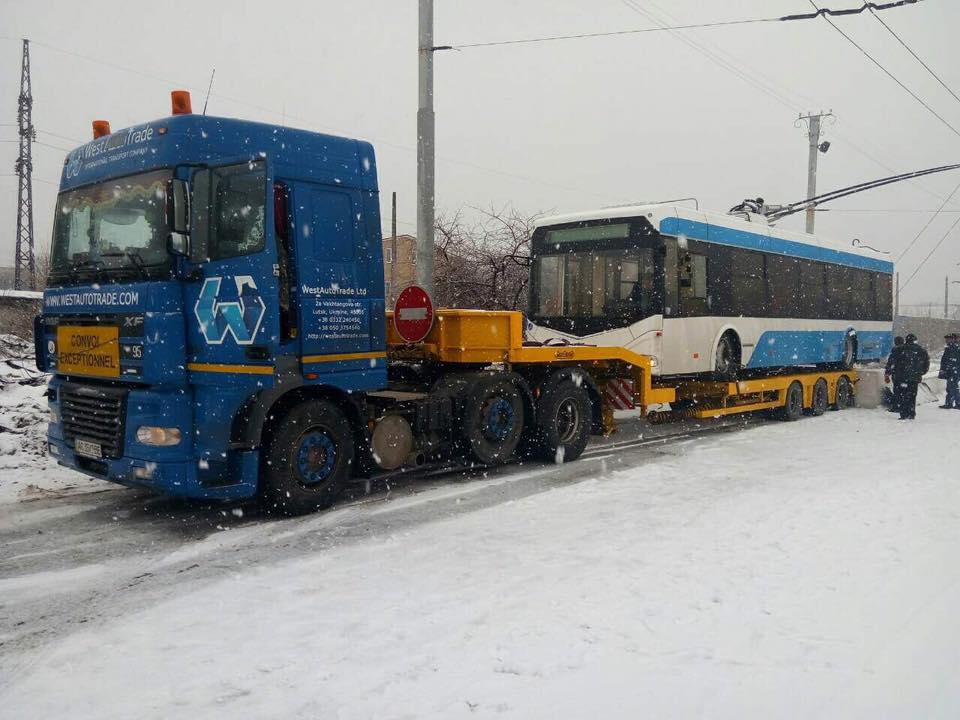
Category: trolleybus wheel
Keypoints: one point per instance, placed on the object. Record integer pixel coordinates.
(493, 420)
(564, 417)
(307, 460)
(844, 394)
(792, 408)
(820, 398)
(849, 352)
(727, 360)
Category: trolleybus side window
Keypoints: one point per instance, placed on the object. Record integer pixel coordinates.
(884, 294)
(812, 290)
(783, 281)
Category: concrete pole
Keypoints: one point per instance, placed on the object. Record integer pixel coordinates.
(814, 136)
(425, 151)
(393, 252)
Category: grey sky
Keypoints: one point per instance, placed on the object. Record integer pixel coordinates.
(554, 126)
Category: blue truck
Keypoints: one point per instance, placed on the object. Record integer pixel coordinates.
(214, 322)
(214, 327)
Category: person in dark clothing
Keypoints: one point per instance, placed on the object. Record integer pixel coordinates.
(950, 371)
(891, 361)
(909, 367)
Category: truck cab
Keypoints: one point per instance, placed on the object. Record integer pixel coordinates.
(202, 268)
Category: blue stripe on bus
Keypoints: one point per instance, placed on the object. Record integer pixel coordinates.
(764, 243)
(779, 348)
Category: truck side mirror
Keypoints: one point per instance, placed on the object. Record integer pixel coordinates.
(178, 203)
(178, 213)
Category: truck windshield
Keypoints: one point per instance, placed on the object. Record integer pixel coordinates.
(112, 231)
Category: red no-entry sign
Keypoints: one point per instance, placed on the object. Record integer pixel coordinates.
(413, 314)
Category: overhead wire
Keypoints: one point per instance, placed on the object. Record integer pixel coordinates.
(608, 33)
(757, 80)
(916, 57)
(928, 223)
(930, 254)
(313, 123)
(873, 7)
(781, 98)
(888, 73)
(925, 105)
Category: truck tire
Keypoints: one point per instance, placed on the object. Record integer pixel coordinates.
(792, 407)
(308, 459)
(821, 396)
(564, 418)
(493, 419)
(844, 396)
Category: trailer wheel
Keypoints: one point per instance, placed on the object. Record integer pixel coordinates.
(820, 398)
(493, 420)
(844, 394)
(308, 459)
(564, 419)
(792, 408)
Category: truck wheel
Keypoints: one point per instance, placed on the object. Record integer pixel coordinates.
(844, 394)
(308, 459)
(493, 420)
(792, 408)
(820, 397)
(564, 418)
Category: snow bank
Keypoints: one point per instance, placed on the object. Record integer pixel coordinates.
(26, 471)
(792, 570)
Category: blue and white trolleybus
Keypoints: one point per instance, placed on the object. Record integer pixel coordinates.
(704, 292)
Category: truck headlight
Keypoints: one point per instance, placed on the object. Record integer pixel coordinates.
(149, 435)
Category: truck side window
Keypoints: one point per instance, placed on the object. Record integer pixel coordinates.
(228, 211)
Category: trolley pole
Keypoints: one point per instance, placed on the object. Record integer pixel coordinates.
(813, 134)
(425, 150)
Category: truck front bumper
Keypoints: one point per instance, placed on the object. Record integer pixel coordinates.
(188, 479)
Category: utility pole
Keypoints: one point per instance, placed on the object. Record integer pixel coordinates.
(25, 272)
(896, 296)
(425, 150)
(393, 251)
(946, 297)
(813, 134)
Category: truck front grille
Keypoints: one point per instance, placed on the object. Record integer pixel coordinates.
(94, 413)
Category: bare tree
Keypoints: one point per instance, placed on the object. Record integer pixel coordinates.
(484, 263)
(16, 315)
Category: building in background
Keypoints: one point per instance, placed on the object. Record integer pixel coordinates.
(399, 271)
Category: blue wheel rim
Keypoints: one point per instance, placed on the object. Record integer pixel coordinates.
(316, 457)
(499, 419)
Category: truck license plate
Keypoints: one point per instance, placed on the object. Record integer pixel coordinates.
(88, 449)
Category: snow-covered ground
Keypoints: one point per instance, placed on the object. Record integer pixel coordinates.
(26, 470)
(800, 570)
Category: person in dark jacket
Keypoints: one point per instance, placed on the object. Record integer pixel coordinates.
(909, 367)
(891, 361)
(950, 371)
